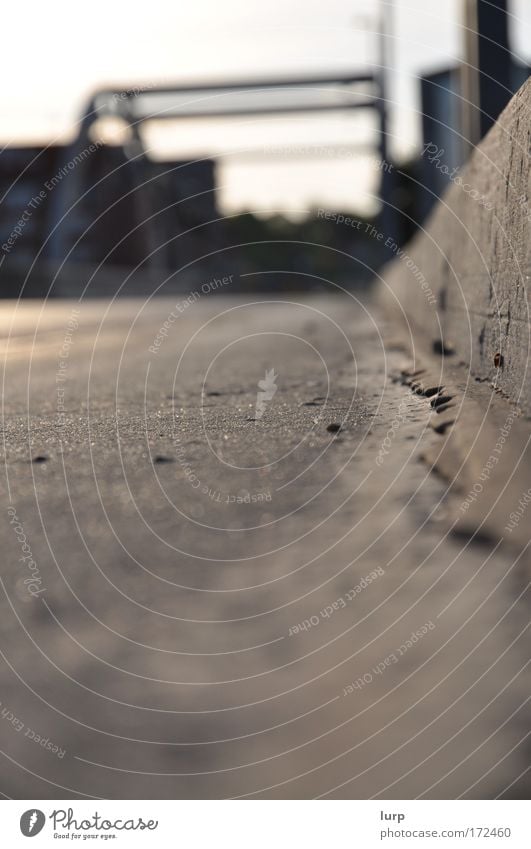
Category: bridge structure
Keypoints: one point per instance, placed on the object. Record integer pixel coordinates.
(138, 106)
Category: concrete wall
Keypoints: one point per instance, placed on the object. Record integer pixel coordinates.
(475, 255)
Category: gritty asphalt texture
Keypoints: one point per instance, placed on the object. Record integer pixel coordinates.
(224, 600)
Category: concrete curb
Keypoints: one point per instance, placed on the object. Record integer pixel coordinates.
(461, 286)
(484, 453)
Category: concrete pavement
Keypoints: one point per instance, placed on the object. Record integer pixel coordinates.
(227, 571)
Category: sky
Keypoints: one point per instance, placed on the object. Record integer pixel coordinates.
(55, 54)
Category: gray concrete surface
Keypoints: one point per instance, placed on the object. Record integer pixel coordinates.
(176, 542)
(474, 256)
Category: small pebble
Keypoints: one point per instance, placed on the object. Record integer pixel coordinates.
(446, 348)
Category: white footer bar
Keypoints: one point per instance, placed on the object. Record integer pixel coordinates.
(266, 824)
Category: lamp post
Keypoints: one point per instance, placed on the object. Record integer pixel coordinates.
(385, 59)
(486, 72)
